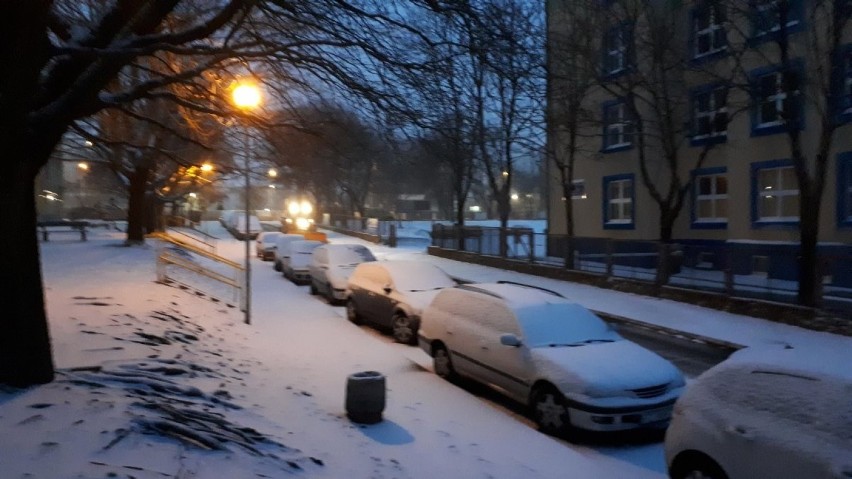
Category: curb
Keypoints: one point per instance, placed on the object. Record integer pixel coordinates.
(676, 333)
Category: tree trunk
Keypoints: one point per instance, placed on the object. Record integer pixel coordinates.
(136, 207)
(809, 274)
(25, 352)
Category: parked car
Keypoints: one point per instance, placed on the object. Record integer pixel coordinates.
(295, 266)
(572, 369)
(766, 413)
(331, 266)
(282, 248)
(392, 294)
(264, 245)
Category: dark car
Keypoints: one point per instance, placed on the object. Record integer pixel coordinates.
(392, 295)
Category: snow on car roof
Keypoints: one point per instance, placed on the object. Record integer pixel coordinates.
(417, 275)
(805, 361)
(304, 246)
(517, 295)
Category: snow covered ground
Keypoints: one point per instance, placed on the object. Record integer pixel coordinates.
(155, 381)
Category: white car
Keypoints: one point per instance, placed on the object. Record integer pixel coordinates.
(282, 248)
(295, 266)
(264, 245)
(332, 264)
(542, 350)
(766, 412)
(392, 294)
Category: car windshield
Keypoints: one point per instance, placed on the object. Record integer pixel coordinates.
(349, 256)
(421, 277)
(563, 324)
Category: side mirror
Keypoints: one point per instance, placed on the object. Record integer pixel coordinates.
(387, 289)
(510, 340)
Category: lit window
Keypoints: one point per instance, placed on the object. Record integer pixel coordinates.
(708, 29)
(777, 194)
(711, 198)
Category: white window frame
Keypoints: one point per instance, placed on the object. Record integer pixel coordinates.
(620, 201)
(774, 191)
(711, 113)
(714, 197)
(616, 50)
(714, 24)
(578, 190)
(619, 126)
(778, 98)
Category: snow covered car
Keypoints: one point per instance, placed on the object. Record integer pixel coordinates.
(766, 412)
(540, 349)
(332, 264)
(295, 267)
(282, 249)
(392, 294)
(264, 245)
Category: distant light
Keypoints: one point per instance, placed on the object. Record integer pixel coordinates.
(88, 143)
(505, 174)
(206, 167)
(293, 208)
(514, 196)
(272, 186)
(246, 96)
(83, 165)
(303, 223)
(272, 173)
(306, 208)
(193, 195)
(267, 210)
(475, 209)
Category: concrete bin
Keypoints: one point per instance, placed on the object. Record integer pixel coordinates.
(365, 397)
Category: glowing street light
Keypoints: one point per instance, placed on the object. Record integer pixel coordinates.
(246, 96)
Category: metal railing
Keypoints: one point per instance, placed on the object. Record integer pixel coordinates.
(743, 270)
(193, 267)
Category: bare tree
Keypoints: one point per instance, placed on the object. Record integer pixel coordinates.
(63, 58)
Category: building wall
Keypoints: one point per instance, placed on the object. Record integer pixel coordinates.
(738, 157)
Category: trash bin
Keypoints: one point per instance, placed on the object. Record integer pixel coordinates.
(365, 397)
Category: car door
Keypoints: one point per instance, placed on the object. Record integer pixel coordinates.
(368, 290)
(506, 366)
(385, 299)
(318, 268)
(466, 326)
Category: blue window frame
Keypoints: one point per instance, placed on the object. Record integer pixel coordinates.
(774, 194)
(842, 85)
(618, 127)
(844, 190)
(776, 98)
(709, 114)
(617, 50)
(710, 198)
(708, 35)
(768, 15)
(618, 202)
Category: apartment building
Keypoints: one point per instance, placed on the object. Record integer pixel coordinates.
(711, 99)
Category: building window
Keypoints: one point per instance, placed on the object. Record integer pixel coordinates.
(708, 29)
(776, 99)
(710, 198)
(618, 128)
(710, 114)
(578, 189)
(844, 189)
(844, 85)
(767, 16)
(616, 49)
(618, 201)
(775, 193)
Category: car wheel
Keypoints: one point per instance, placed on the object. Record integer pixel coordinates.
(329, 294)
(550, 411)
(696, 466)
(403, 329)
(313, 288)
(277, 266)
(442, 363)
(352, 312)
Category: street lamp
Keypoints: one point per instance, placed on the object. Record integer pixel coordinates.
(84, 168)
(246, 96)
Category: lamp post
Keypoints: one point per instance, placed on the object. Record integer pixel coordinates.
(84, 168)
(246, 96)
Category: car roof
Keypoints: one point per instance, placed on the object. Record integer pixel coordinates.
(794, 360)
(516, 295)
(403, 266)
